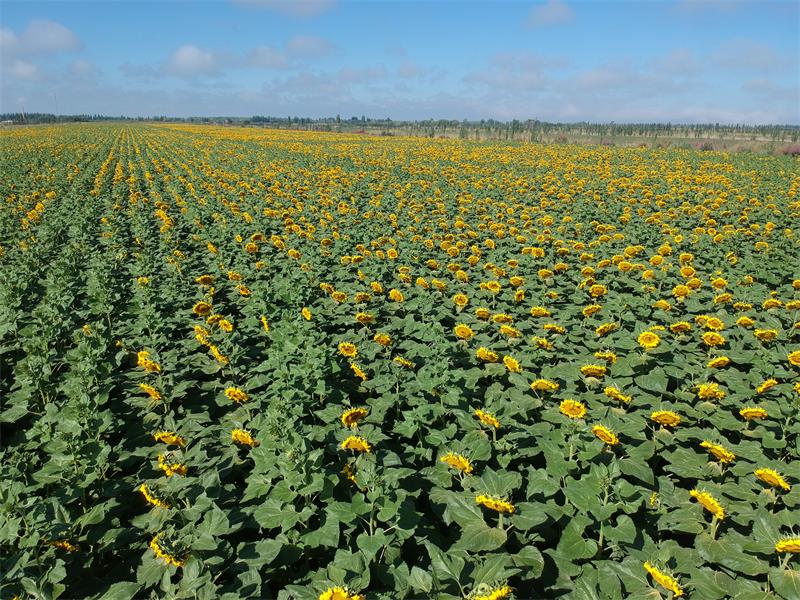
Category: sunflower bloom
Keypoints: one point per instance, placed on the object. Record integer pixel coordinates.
(237, 395)
(605, 435)
(457, 462)
(487, 418)
(351, 417)
(719, 363)
(750, 413)
(767, 385)
(573, 409)
(721, 453)
(713, 339)
(616, 394)
(544, 385)
(171, 468)
(202, 309)
(648, 340)
(666, 418)
(150, 391)
(160, 552)
(504, 591)
(495, 504)
(597, 371)
(773, 479)
(512, 364)
(463, 332)
(170, 438)
(357, 444)
(664, 580)
(151, 498)
(339, 593)
(486, 355)
(244, 437)
(348, 349)
(710, 391)
(709, 502)
(791, 545)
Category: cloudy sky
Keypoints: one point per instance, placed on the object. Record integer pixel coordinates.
(557, 60)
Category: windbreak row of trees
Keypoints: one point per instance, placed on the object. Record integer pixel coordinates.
(529, 130)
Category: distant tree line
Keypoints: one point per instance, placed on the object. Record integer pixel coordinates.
(529, 130)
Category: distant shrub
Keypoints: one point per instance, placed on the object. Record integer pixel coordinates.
(793, 150)
(706, 147)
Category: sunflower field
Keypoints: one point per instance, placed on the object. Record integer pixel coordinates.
(240, 363)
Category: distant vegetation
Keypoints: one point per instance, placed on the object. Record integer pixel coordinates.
(704, 136)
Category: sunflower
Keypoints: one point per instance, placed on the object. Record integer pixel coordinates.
(721, 453)
(486, 355)
(463, 332)
(205, 280)
(539, 311)
(169, 437)
(615, 394)
(512, 364)
(348, 350)
(487, 418)
(152, 498)
(358, 371)
(460, 300)
(457, 462)
(788, 545)
(237, 395)
(159, 549)
(773, 479)
(794, 358)
(605, 435)
(498, 593)
(495, 504)
(680, 327)
(664, 580)
(767, 385)
(750, 413)
(339, 593)
(606, 355)
(365, 318)
(150, 391)
(719, 362)
(382, 339)
(306, 313)
(573, 409)
(243, 437)
(590, 310)
(666, 418)
(357, 444)
(544, 385)
(648, 340)
(597, 290)
(710, 391)
(745, 322)
(765, 335)
(709, 502)
(396, 295)
(202, 309)
(597, 371)
(605, 329)
(352, 416)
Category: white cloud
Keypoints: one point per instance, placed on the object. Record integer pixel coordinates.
(679, 61)
(189, 61)
(309, 46)
(40, 37)
(747, 54)
(21, 69)
(267, 57)
(553, 12)
(82, 68)
(366, 75)
(291, 8)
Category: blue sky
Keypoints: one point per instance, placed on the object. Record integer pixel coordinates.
(556, 60)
